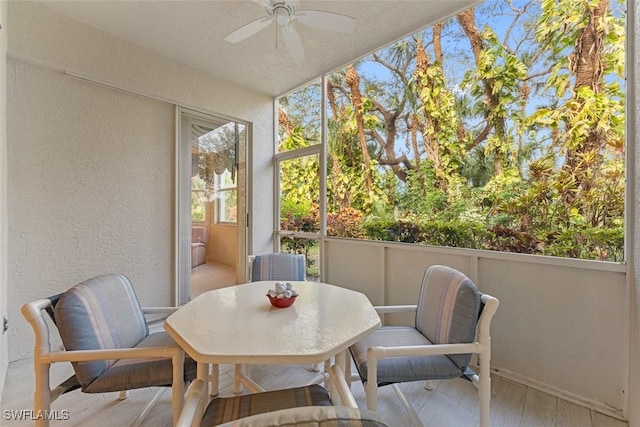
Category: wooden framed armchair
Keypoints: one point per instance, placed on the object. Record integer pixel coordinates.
(106, 338)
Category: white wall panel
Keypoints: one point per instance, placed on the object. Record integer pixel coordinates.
(406, 266)
(356, 266)
(562, 325)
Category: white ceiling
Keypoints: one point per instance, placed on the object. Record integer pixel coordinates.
(193, 32)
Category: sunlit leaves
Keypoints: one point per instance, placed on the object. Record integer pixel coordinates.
(517, 145)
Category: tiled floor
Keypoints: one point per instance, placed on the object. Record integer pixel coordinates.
(449, 404)
(210, 276)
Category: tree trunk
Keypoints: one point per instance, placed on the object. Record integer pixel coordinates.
(467, 21)
(430, 140)
(437, 43)
(336, 165)
(414, 127)
(352, 79)
(586, 64)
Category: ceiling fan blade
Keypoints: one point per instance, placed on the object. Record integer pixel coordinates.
(264, 3)
(329, 21)
(248, 30)
(293, 43)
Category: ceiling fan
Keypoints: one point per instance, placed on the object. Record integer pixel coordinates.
(284, 13)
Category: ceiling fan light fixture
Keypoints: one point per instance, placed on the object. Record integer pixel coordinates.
(282, 14)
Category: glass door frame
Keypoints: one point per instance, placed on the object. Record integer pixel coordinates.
(319, 149)
(182, 207)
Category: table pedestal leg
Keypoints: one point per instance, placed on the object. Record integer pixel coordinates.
(347, 369)
(341, 360)
(240, 379)
(238, 373)
(214, 379)
(202, 372)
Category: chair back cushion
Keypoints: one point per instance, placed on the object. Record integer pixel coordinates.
(278, 267)
(448, 309)
(99, 313)
(199, 234)
(226, 409)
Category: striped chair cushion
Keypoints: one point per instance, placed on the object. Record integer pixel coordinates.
(223, 410)
(313, 416)
(99, 313)
(448, 309)
(402, 369)
(278, 267)
(139, 373)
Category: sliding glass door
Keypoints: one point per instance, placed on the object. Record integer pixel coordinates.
(211, 203)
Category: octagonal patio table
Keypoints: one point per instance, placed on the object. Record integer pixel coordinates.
(238, 325)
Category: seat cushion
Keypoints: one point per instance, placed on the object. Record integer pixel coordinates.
(313, 416)
(99, 313)
(127, 374)
(402, 369)
(223, 410)
(448, 309)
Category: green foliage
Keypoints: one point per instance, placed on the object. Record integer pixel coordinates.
(294, 140)
(302, 222)
(301, 188)
(197, 200)
(345, 168)
(588, 243)
(346, 223)
(497, 81)
(464, 234)
(600, 107)
(437, 233)
(504, 148)
(292, 208)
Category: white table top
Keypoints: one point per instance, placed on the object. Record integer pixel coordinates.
(238, 324)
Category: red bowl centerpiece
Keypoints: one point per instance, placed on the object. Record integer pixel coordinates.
(281, 302)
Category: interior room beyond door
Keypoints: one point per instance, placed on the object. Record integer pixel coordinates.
(212, 149)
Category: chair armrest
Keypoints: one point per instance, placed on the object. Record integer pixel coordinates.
(195, 394)
(159, 310)
(385, 309)
(484, 323)
(112, 354)
(155, 316)
(423, 350)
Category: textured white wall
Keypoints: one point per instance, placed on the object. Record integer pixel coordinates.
(4, 354)
(91, 175)
(90, 189)
(40, 34)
